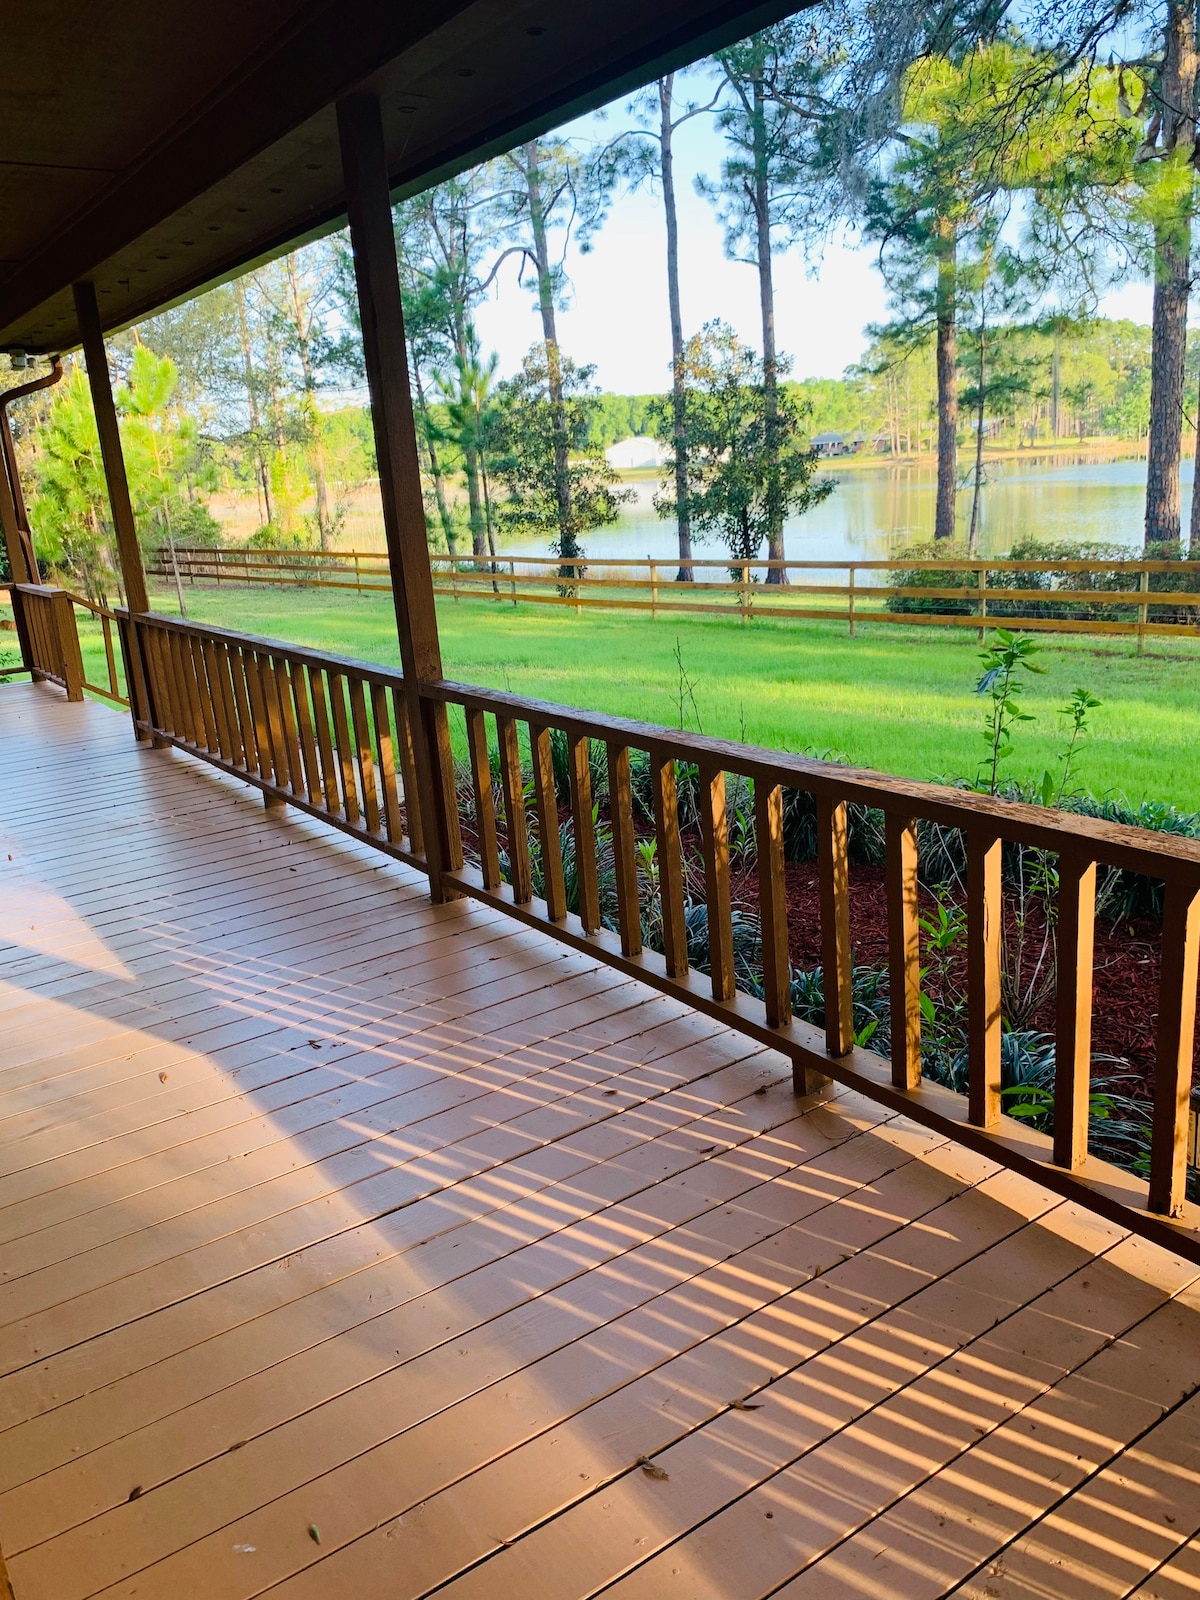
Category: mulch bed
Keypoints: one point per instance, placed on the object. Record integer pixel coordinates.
(1126, 971)
(1125, 974)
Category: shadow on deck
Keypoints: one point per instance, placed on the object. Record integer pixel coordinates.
(352, 1247)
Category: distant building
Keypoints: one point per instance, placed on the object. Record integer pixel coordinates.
(837, 444)
(640, 451)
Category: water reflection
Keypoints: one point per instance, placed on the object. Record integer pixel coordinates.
(876, 511)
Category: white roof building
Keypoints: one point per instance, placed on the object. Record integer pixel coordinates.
(640, 451)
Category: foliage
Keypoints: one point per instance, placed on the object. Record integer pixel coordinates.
(1005, 662)
(524, 438)
(748, 464)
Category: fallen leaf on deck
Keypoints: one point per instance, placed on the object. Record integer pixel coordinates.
(650, 1468)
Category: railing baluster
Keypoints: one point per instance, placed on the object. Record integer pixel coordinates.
(772, 896)
(408, 774)
(546, 802)
(481, 785)
(180, 717)
(985, 908)
(515, 824)
(220, 720)
(291, 734)
(833, 871)
(669, 857)
(328, 771)
(584, 825)
(245, 715)
(366, 765)
(109, 655)
(1073, 1033)
(262, 731)
(151, 641)
(184, 704)
(904, 950)
(280, 746)
(387, 763)
(1174, 1044)
(304, 726)
(714, 831)
(620, 801)
(345, 750)
(204, 695)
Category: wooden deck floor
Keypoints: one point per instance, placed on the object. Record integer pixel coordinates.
(352, 1248)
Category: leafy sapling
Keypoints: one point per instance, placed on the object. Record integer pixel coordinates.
(1050, 792)
(1005, 661)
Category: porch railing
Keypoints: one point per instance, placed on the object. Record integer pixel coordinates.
(333, 737)
(48, 618)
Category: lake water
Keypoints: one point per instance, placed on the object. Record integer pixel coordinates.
(876, 511)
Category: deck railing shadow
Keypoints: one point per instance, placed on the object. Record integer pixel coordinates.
(345, 741)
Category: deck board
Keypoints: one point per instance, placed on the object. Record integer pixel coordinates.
(354, 1247)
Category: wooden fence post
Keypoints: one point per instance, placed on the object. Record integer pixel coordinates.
(653, 590)
(744, 591)
(982, 604)
(1144, 609)
(850, 597)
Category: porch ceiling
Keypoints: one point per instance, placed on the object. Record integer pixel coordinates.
(157, 149)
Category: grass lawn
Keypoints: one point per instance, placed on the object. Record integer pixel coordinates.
(898, 699)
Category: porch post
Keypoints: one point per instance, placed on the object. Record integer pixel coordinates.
(364, 163)
(129, 553)
(100, 383)
(17, 560)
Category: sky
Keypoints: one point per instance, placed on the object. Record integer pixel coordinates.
(617, 314)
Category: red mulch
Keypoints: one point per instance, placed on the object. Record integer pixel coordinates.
(1126, 971)
(1125, 975)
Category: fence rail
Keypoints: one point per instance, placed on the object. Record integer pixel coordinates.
(335, 738)
(1155, 597)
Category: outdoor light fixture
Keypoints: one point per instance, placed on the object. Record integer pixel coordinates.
(1193, 1137)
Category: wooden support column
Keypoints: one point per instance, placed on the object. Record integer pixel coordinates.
(17, 562)
(129, 552)
(99, 382)
(369, 203)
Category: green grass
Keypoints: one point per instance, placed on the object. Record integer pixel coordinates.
(898, 699)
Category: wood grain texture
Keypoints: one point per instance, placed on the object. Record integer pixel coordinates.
(322, 1207)
(904, 949)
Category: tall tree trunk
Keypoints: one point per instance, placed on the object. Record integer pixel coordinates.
(947, 379)
(475, 509)
(445, 516)
(1172, 282)
(766, 299)
(683, 518)
(568, 544)
(1055, 363)
(1168, 345)
(312, 417)
(263, 476)
(1194, 529)
(979, 416)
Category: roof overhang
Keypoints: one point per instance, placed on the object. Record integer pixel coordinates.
(168, 148)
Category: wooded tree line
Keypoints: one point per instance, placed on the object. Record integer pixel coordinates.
(1005, 169)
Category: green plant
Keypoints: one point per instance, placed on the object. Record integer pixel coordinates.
(1005, 661)
(869, 995)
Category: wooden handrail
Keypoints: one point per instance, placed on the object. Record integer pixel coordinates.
(53, 636)
(332, 737)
